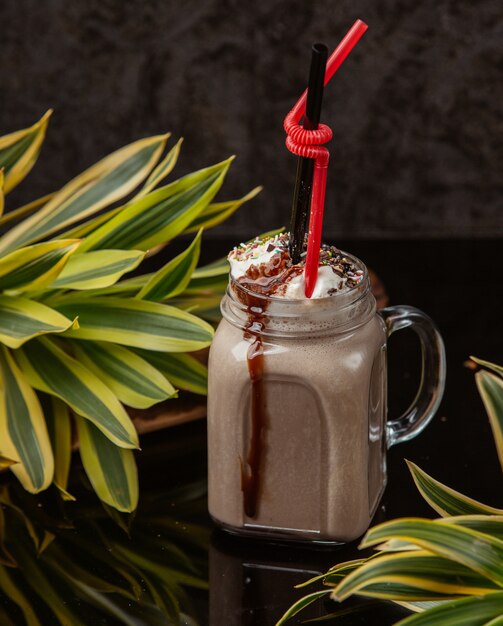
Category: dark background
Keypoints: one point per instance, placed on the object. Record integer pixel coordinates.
(416, 109)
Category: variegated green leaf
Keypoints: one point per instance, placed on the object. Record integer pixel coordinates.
(53, 371)
(22, 319)
(476, 611)
(159, 569)
(107, 181)
(163, 169)
(488, 365)
(26, 209)
(491, 391)
(334, 574)
(14, 593)
(417, 605)
(95, 270)
(206, 306)
(136, 323)
(58, 422)
(6, 462)
(487, 524)
(35, 266)
(302, 604)
(445, 500)
(133, 380)
(420, 570)
(183, 370)
(2, 199)
(481, 553)
(124, 288)
(209, 279)
(6, 556)
(74, 564)
(160, 215)
(111, 470)
(402, 592)
(91, 224)
(157, 175)
(217, 212)
(23, 432)
(19, 151)
(47, 588)
(172, 279)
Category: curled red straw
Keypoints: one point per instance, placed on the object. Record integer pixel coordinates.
(308, 143)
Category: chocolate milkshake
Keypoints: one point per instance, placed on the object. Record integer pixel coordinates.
(297, 397)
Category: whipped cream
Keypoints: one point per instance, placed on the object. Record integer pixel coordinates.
(267, 261)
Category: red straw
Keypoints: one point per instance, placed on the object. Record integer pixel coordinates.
(307, 143)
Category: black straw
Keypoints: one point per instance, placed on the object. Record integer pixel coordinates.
(305, 167)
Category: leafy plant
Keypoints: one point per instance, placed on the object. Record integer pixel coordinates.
(448, 570)
(83, 569)
(76, 345)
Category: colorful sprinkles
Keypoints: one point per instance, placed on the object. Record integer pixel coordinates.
(279, 263)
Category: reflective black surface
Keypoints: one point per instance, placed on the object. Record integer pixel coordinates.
(104, 571)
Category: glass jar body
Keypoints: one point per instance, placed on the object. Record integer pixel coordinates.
(322, 468)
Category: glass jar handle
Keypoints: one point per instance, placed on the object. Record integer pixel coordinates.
(431, 385)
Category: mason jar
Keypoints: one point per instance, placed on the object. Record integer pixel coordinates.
(297, 410)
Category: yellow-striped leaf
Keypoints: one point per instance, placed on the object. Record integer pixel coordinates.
(52, 370)
(183, 370)
(160, 215)
(491, 391)
(302, 604)
(334, 574)
(111, 470)
(26, 209)
(136, 323)
(58, 422)
(402, 592)
(14, 593)
(447, 501)
(209, 279)
(22, 319)
(420, 570)
(95, 270)
(477, 611)
(91, 224)
(158, 174)
(47, 588)
(107, 181)
(35, 266)
(172, 279)
(133, 380)
(206, 306)
(162, 170)
(127, 287)
(487, 524)
(159, 569)
(23, 432)
(217, 212)
(2, 199)
(481, 553)
(5, 462)
(488, 365)
(19, 151)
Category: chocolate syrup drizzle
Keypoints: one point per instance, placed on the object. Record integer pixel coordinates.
(264, 280)
(260, 283)
(251, 472)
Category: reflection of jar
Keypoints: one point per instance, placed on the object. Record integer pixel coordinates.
(252, 583)
(308, 429)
